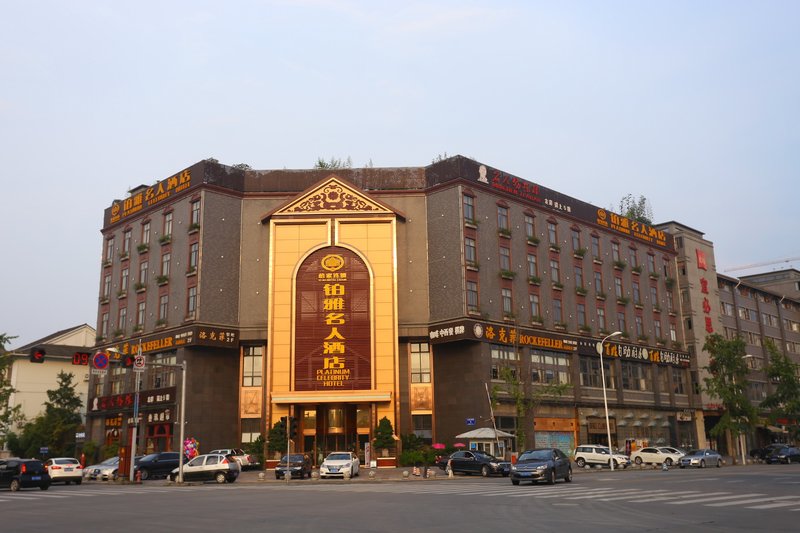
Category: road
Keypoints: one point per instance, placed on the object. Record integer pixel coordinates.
(750, 498)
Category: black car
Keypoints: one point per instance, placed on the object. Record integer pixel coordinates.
(299, 466)
(542, 464)
(157, 464)
(786, 454)
(761, 454)
(475, 462)
(23, 473)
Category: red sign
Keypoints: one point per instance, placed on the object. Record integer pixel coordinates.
(333, 340)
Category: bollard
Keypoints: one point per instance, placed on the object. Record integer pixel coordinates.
(372, 474)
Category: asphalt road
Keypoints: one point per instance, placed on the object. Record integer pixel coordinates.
(730, 499)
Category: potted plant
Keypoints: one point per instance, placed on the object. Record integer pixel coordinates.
(384, 436)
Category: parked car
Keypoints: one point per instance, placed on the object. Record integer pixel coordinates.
(337, 463)
(16, 473)
(673, 449)
(475, 462)
(761, 454)
(652, 455)
(543, 464)
(243, 458)
(64, 469)
(786, 454)
(102, 470)
(210, 466)
(598, 454)
(299, 465)
(157, 464)
(701, 458)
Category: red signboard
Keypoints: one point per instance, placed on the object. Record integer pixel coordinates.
(333, 341)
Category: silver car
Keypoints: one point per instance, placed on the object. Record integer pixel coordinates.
(701, 458)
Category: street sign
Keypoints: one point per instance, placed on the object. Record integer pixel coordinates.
(100, 361)
(470, 421)
(138, 363)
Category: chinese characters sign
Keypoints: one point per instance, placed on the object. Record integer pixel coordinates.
(160, 192)
(332, 338)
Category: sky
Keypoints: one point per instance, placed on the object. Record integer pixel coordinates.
(694, 105)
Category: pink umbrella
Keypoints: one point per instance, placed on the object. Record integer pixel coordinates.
(438, 446)
(459, 445)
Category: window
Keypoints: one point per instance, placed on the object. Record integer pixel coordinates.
(191, 302)
(140, 315)
(637, 297)
(595, 247)
(508, 307)
(122, 319)
(423, 427)
(165, 259)
(252, 359)
(163, 376)
(533, 269)
(673, 333)
(654, 295)
(618, 287)
(194, 217)
(530, 228)
(679, 380)
(590, 373)
(651, 264)
(146, 233)
(557, 312)
(621, 321)
(126, 242)
(555, 273)
(639, 326)
(670, 302)
(106, 286)
(534, 302)
(665, 266)
(598, 282)
(601, 319)
(552, 233)
(576, 239)
(578, 271)
(117, 379)
(472, 297)
(502, 217)
(469, 208)
(163, 307)
(633, 258)
(167, 224)
(615, 251)
(657, 328)
(636, 376)
(505, 258)
(550, 367)
(420, 362)
(194, 254)
(104, 325)
(581, 315)
(109, 254)
(123, 280)
(470, 251)
(143, 272)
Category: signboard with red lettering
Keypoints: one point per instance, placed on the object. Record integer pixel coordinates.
(333, 340)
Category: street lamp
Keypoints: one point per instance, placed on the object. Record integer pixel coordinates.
(599, 348)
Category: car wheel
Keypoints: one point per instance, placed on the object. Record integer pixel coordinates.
(44, 487)
(145, 474)
(220, 478)
(78, 482)
(551, 477)
(702, 463)
(67, 482)
(580, 461)
(114, 475)
(719, 463)
(505, 474)
(668, 461)
(568, 477)
(638, 460)
(14, 485)
(485, 471)
(681, 467)
(515, 482)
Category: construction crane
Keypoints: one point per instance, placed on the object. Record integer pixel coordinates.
(765, 263)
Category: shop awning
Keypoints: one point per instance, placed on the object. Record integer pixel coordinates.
(776, 429)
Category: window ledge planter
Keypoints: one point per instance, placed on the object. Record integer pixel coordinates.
(597, 261)
(194, 228)
(619, 265)
(653, 275)
(160, 323)
(509, 317)
(475, 267)
(601, 296)
(558, 286)
(143, 248)
(555, 248)
(191, 271)
(505, 233)
(162, 280)
(623, 301)
(537, 321)
(533, 241)
(165, 239)
(535, 280)
(103, 300)
(508, 274)
(119, 333)
(638, 306)
(122, 294)
(585, 329)
(656, 309)
(140, 287)
(636, 270)
(560, 326)
(643, 338)
(106, 263)
(471, 223)
(579, 253)
(580, 291)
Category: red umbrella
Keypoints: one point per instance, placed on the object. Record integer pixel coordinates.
(459, 445)
(438, 446)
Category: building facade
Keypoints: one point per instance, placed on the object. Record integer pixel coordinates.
(422, 295)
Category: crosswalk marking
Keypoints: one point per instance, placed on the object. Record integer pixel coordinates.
(775, 505)
(703, 499)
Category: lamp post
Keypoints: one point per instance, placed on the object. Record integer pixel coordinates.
(599, 348)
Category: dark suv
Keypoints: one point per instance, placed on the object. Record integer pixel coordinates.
(157, 464)
(23, 473)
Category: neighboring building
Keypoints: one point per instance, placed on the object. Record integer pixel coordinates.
(32, 380)
(340, 297)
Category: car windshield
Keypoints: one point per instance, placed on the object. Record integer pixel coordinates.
(695, 452)
(535, 455)
(149, 457)
(338, 457)
(295, 458)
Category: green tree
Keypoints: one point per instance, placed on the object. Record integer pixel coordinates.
(636, 209)
(10, 415)
(384, 434)
(277, 438)
(784, 401)
(727, 381)
(333, 163)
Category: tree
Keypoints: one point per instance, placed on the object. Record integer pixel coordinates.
(277, 438)
(727, 381)
(384, 434)
(636, 209)
(333, 163)
(784, 401)
(10, 415)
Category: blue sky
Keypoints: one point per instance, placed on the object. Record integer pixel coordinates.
(693, 105)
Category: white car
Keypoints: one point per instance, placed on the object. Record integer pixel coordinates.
(104, 470)
(597, 454)
(243, 458)
(337, 463)
(210, 467)
(657, 456)
(64, 469)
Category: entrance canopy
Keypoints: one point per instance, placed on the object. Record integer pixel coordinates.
(484, 433)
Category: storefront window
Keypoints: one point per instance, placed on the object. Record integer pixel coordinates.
(590, 373)
(420, 362)
(336, 420)
(251, 366)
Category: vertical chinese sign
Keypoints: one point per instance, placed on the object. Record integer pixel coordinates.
(702, 265)
(332, 322)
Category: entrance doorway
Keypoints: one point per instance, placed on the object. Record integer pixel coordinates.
(327, 428)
